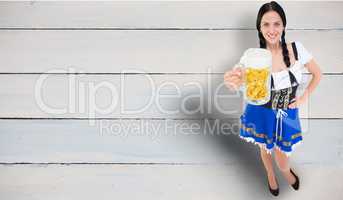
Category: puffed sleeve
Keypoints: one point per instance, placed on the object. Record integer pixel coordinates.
(303, 55)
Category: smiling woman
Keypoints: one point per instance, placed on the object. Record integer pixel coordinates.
(271, 25)
(276, 123)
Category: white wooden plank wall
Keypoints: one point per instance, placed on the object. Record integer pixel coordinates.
(72, 71)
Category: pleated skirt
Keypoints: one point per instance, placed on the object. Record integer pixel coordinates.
(269, 128)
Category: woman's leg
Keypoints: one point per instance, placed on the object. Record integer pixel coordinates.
(268, 165)
(283, 164)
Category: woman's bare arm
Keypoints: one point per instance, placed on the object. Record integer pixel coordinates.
(315, 70)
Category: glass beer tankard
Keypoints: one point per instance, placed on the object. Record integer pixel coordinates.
(256, 64)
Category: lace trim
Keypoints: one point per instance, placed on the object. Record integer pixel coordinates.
(269, 151)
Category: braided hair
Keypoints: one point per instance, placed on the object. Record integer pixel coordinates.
(273, 6)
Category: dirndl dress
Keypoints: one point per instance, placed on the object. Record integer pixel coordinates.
(274, 124)
(271, 128)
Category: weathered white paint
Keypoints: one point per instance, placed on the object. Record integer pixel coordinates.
(142, 96)
(188, 51)
(160, 14)
(155, 141)
(218, 182)
(182, 165)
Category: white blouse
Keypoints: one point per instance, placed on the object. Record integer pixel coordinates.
(282, 79)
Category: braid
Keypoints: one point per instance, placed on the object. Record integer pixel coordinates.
(262, 40)
(285, 52)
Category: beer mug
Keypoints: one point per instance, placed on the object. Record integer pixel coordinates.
(257, 65)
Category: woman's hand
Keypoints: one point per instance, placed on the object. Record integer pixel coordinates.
(234, 78)
(297, 102)
(314, 69)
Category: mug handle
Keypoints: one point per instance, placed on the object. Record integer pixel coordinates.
(241, 87)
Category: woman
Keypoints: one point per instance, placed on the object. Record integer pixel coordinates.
(276, 123)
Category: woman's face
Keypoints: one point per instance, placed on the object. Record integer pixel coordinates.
(271, 27)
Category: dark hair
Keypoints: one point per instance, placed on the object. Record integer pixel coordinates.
(273, 6)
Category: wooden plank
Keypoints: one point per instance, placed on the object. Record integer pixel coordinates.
(325, 98)
(202, 14)
(141, 96)
(148, 51)
(154, 141)
(163, 182)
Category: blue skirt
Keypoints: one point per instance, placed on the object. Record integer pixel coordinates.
(268, 128)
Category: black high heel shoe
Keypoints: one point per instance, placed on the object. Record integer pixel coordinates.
(297, 182)
(274, 192)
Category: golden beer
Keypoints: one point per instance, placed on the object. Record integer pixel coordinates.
(256, 83)
(256, 64)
